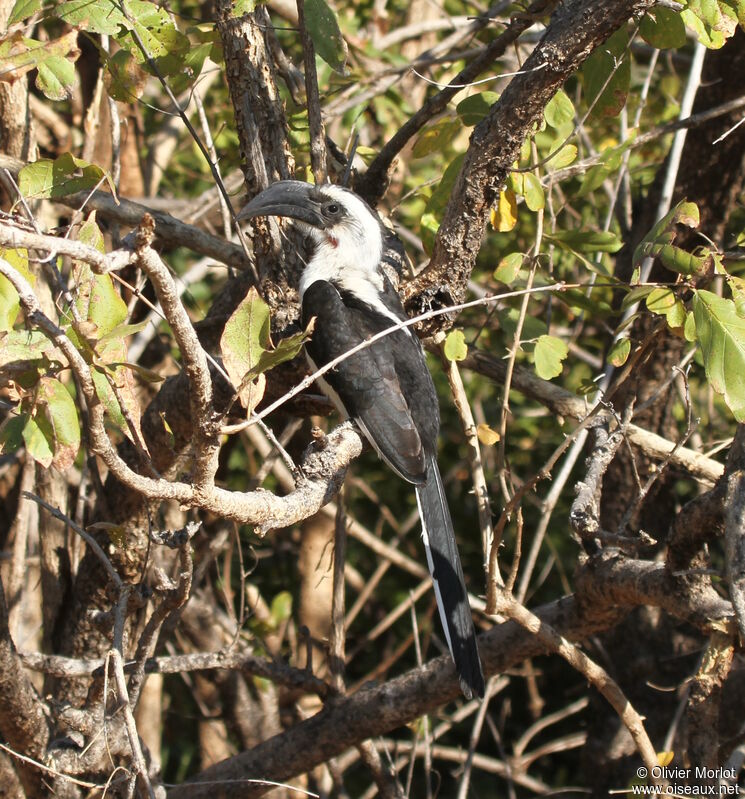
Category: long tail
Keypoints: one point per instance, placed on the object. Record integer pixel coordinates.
(447, 576)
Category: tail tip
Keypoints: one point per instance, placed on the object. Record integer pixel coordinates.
(472, 685)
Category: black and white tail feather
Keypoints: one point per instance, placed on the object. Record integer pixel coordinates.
(448, 581)
(385, 388)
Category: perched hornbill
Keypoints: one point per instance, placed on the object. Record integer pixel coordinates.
(385, 388)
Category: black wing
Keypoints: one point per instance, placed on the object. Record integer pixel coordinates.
(367, 383)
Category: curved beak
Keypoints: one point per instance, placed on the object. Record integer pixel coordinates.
(291, 198)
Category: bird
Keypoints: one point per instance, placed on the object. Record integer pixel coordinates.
(385, 388)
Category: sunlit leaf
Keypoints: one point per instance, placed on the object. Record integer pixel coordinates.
(565, 156)
(559, 110)
(509, 268)
(60, 412)
(17, 346)
(39, 440)
(533, 192)
(23, 9)
(455, 348)
(47, 179)
(158, 35)
(53, 60)
(503, 215)
(721, 334)
(247, 348)
(97, 16)
(549, 353)
(587, 241)
(10, 303)
(486, 435)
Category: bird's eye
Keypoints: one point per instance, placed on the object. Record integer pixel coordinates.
(333, 209)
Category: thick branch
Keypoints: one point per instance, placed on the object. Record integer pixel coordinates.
(23, 723)
(610, 587)
(576, 29)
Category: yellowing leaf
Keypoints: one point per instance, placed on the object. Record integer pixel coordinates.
(503, 216)
(455, 348)
(665, 758)
(619, 352)
(509, 268)
(486, 435)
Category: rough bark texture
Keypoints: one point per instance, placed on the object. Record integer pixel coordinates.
(608, 588)
(576, 28)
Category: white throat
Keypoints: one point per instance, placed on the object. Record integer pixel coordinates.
(348, 255)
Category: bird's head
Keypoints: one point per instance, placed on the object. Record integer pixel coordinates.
(341, 224)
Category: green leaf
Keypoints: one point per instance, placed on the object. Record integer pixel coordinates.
(55, 77)
(563, 157)
(46, 179)
(549, 353)
(158, 34)
(39, 441)
(559, 110)
(97, 16)
(532, 327)
(441, 195)
(124, 78)
(429, 224)
(689, 329)
(23, 9)
(474, 108)
(737, 287)
(53, 60)
(17, 346)
(604, 65)
(11, 433)
(659, 241)
(660, 301)
(663, 28)
(59, 411)
(281, 608)
(10, 303)
(436, 138)
(509, 268)
(534, 197)
(587, 241)
(323, 28)
(247, 349)
(721, 334)
(636, 295)
(713, 21)
(619, 352)
(574, 298)
(455, 348)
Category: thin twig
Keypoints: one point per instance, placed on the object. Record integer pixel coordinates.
(600, 678)
(315, 121)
